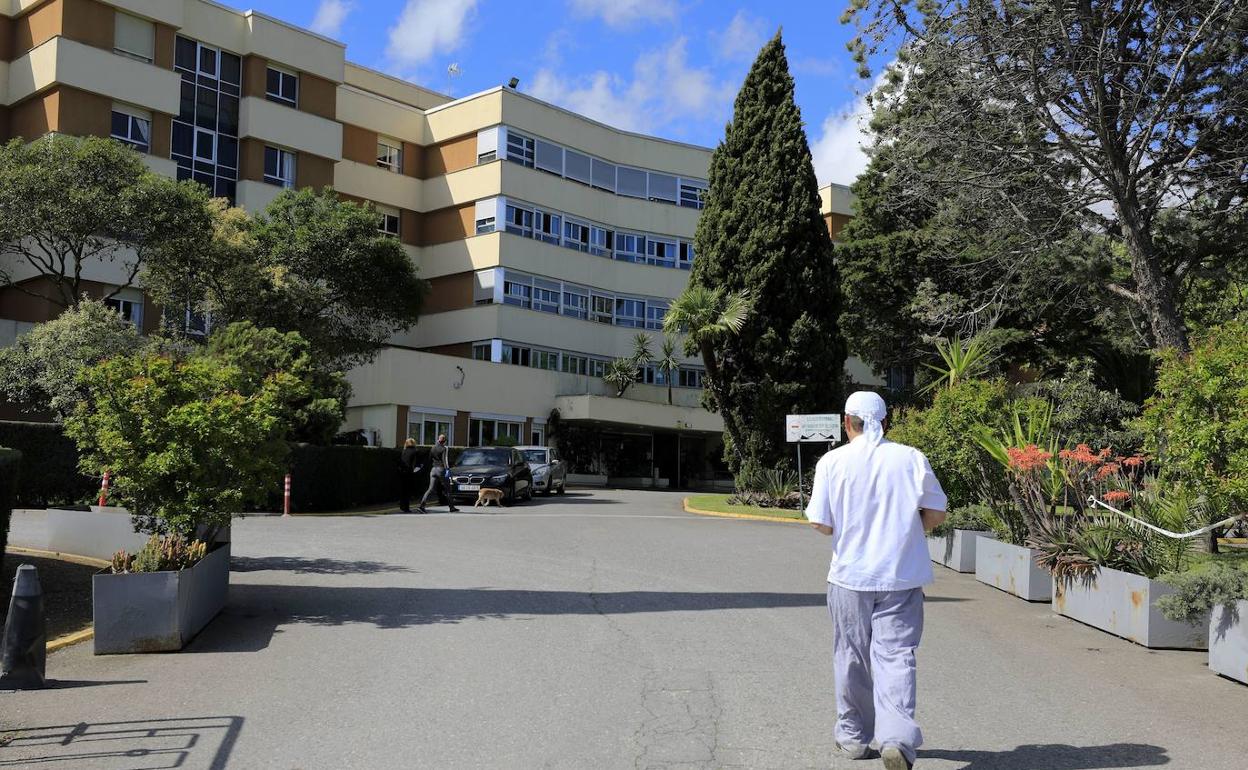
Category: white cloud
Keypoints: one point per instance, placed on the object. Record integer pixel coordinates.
(330, 15)
(838, 153)
(426, 28)
(742, 38)
(621, 13)
(664, 91)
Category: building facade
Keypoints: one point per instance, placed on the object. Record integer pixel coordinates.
(549, 240)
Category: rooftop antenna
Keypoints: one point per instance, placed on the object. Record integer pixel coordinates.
(452, 71)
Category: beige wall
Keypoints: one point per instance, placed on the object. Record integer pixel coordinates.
(282, 126)
(369, 182)
(71, 63)
(382, 115)
(401, 91)
(836, 198)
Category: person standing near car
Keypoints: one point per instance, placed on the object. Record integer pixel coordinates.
(409, 466)
(438, 464)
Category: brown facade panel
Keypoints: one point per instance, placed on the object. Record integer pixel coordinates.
(459, 350)
(836, 223)
(40, 300)
(313, 171)
(162, 134)
(255, 75)
(4, 125)
(401, 426)
(318, 96)
(449, 224)
(83, 113)
(463, 421)
(90, 22)
(359, 144)
(449, 292)
(33, 29)
(409, 227)
(413, 160)
(166, 42)
(251, 160)
(36, 116)
(6, 38)
(450, 156)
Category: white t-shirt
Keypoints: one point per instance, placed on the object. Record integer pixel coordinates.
(871, 499)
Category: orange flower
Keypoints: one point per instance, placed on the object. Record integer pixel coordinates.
(1029, 458)
(1117, 496)
(1135, 461)
(1107, 470)
(1083, 454)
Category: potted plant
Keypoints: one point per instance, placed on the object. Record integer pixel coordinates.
(1220, 596)
(189, 439)
(953, 544)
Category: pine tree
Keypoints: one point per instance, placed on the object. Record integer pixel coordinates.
(761, 232)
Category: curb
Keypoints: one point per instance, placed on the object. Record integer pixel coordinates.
(749, 516)
(66, 640)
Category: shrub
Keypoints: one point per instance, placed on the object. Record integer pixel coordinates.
(10, 474)
(50, 462)
(944, 432)
(768, 488)
(1197, 422)
(977, 518)
(1199, 592)
(161, 554)
(330, 478)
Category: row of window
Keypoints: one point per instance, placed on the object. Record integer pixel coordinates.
(426, 428)
(558, 298)
(579, 363)
(532, 152)
(562, 230)
(205, 131)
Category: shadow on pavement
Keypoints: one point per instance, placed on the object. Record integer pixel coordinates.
(304, 566)
(1056, 756)
(72, 684)
(256, 612)
(154, 744)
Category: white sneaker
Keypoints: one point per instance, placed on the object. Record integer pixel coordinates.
(894, 759)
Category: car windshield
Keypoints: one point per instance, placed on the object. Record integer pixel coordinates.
(485, 457)
(535, 455)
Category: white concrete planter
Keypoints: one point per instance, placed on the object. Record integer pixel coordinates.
(1125, 605)
(586, 480)
(956, 550)
(1012, 568)
(98, 533)
(1228, 642)
(158, 611)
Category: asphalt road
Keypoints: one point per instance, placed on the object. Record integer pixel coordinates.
(603, 630)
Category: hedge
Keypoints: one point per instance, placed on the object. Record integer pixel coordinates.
(10, 476)
(51, 464)
(331, 478)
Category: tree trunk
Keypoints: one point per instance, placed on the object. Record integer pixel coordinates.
(1155, 289)
(730, 423)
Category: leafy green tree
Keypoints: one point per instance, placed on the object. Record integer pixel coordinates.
(1197, 423)
(668, 363)
(73, 206)
(761, 231)
(318, 396)
(706, 317)
(188, 441)
(39, 373)
(1134, 108)
(624, 372)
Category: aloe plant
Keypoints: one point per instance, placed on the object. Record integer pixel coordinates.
(961, 360)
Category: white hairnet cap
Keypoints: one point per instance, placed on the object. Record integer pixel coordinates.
(871, 409)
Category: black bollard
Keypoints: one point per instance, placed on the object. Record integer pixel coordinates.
(24, 657)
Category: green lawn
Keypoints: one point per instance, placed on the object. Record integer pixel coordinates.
(720, 504)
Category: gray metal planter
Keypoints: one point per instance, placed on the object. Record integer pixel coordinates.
(956, 550)
(159, 611)
(1228, 642)
(1125, 605)
(98, 533)
(1012, 568)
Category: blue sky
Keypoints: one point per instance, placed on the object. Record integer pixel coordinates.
(664, 67)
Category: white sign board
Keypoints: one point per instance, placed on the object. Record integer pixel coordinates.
(812, 427)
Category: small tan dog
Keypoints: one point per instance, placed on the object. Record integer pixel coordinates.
(487, 496)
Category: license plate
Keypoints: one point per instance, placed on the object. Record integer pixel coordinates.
(469, 487)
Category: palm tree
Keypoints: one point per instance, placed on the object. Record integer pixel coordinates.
(668, 363)
(705, 316)
(622, 372)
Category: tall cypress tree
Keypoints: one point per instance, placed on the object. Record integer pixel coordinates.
(761, 232)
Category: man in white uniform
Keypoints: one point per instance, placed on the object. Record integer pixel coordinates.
(875, 499)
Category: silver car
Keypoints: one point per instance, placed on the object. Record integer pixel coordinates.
(550, 473)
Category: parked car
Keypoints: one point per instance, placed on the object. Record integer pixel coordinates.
(550, 473)
(495, 468)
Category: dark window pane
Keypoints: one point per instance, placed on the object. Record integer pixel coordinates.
(183, 173)
(204, 167)
(204, 179)
(208, 80)
(226, 88)
(271, 161)
(289, 87)
(203, 145)
(206, 109)
(185, 54)
(273, 81)
(183, 138)
(231, 68)
(226, 173)
(121, 124)
(186, 109)
(224, 188)
(228, 118)
(227, 151)
(208, 61)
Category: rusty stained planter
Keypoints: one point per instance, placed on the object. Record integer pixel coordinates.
(159, 611)
(956, 550)
(1012, 568)
(1228, 642)
(1124, 604)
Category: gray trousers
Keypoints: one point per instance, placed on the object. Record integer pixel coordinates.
(875, 636)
